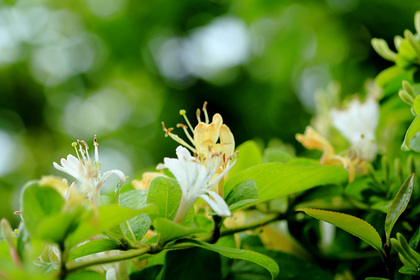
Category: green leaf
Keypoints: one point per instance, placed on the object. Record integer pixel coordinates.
(351, 224)
(102, 219)
(171, 231)
(166, 194)
(279, 179)
(249, 154)
(416, 105)
(85, 275)
(38, 204)
(50, 229)
(291, 267)
(93, 247)
(242, 195)
(135, 228)
(398, 205)
(411, 132)
(410, 270)
(275, 154)
(239, 254)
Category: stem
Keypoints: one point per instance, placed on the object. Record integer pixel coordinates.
(262, 222)
(387, 261)
(72, 266)
(156, 248)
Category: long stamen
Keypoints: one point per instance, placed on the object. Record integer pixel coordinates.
(198, 113)
(74, 144)
(185, 128)
(82, 152)
(177, 138)
(184, 114)
(96, 144)
(86, 148)
(205, 112)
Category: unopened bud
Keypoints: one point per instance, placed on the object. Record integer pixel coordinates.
(382, 48)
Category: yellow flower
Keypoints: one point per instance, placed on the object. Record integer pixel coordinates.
(351, 161)
(208, 139)
(147, 177)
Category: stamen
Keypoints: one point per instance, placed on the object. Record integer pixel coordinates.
(167, 131)
(198, 113)
(74, 144)
(96, 144)
(176, 137)
(184, 114)
(205, 112)
(185, 128)
(87, 148)
(82, 152)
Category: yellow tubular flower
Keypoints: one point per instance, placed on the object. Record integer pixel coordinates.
(351, 162)
(208, 139)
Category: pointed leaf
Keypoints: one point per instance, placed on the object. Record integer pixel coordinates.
(166, 194)
(398, 205)
(242, 195)
(351, 224)
(135, 228)
(102, 219)
(171, 231)
(249, 155)
(279, 179)
(239, 254)
(38, 203)
(93, 247)
(411, 132)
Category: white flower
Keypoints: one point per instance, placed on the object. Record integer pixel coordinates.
(358, 125)
(195, 181)
(85, 171)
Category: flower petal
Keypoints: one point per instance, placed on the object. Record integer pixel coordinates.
(218, 204)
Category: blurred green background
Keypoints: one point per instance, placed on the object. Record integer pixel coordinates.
(117, 68)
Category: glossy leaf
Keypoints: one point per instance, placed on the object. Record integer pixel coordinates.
(242, 195)
(38, 204)
(410, 270)
(135, 228)
(166, 194)
(240, 254)
(93, 247)
(170, 230)
(411, 132)
(102, 219)
(279, 179)
(398, 205)
(291, 267)
(351, 224)
(249, 155)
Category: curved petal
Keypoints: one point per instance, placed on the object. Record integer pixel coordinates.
(218, 204)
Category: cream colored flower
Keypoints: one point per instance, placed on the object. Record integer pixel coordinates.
(196, 181)
(207, 137)
(351, 162)
(358, 125)
(85, 171)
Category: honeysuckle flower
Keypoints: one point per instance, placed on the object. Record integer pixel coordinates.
(196, 180)
(147, 177)
(358, 125)
(205, 137)
(351, 162)
(85, 171)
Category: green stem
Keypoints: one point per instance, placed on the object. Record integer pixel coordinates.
(72, 266)
(154, 249)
